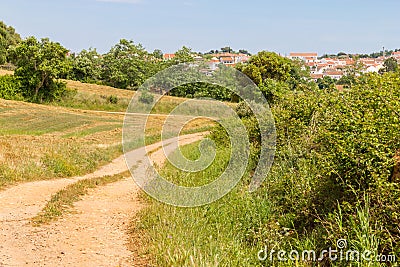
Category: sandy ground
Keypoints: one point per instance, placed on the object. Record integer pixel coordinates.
(95, 234)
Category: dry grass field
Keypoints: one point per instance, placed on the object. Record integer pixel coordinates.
(74, 136)
(45, 142)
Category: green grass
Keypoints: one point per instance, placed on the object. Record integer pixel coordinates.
(39, 122)
(188, 179)
(64, 200)
(92, 130)
(231, 231)
(90, 101)
(218, 234)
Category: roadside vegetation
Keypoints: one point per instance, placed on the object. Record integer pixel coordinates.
(335, 176)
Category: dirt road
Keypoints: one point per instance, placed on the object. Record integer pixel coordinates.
(95, 234)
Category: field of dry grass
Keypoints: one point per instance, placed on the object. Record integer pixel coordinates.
(99, 90)
(45, 142)
(101, 97)
(73, 136)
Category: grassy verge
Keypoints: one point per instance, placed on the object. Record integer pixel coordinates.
(63, 200)
(232, 231)
(214, 235)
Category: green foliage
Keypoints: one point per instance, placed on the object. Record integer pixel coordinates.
(326, 83)
(112, 99)
(243, 51)
(347, 81)
(346, 141)
(39, 64)
(183, 55)
(226, 49)
(8, 37)
(10, 88)
(127, 65)
(86, 66)
(331, 179)
(157, 53)
(267, 65)
(243, 110)
(146, 98)
(390, 65)
(362, 130)
(275, 75)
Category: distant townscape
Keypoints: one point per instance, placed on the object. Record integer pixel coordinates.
(334, 67)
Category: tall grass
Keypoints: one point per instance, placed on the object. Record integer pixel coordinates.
(218, 234)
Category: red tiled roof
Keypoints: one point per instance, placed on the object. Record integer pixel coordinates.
(225, 58)
(169, 56)
(317, 76)
(334, 73)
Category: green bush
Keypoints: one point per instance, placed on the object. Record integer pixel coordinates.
(243, 110)
(331, 179)
(333, 149)
(112, 99)
(146, 98)
(10, 88)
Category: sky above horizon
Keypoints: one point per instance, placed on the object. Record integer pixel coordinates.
(323, 26)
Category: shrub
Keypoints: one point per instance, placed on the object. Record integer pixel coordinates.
(10, 88)
(146, 98)
(112, 99)
(243, 110)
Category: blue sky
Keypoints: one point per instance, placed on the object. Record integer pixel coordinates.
(281, 25)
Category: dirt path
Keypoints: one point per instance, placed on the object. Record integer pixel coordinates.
(95, 235)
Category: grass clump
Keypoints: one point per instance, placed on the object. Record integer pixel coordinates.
(64, 199)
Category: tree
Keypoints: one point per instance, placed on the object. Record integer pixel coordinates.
(8, 37)
(86, 66)
(266, 65)
(271, 73)
(347, 81)
(243, 51)
(390, 65)
(127, 65)
(226, 49)
(157, 53)
(39, 64)
(183, 55)
(326, 82)
(275, 74)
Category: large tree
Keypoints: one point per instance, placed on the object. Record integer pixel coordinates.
(127, 65)
(183, 55)
(390, 65)
(8, 37)
(274, 74)
(86, 66)
(39, 64)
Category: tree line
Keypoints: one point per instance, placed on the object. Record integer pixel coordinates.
(41, 63)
